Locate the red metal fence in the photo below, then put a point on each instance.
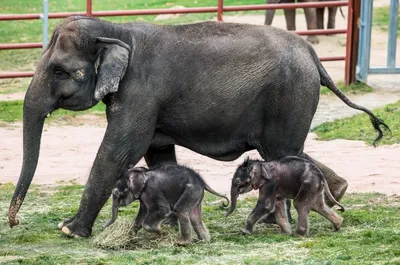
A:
(220, 9)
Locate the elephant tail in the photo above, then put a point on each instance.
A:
(327, 81)
(329, 194)
(210, 190)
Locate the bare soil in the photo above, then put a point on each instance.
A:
(67, 154)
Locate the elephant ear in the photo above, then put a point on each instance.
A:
(137, 181)
(110, 66)
(256, 174)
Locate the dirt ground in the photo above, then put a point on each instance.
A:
(67, 152)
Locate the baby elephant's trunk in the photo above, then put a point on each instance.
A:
(115, 206)
(234, 197)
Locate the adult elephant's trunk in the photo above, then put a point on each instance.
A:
(115, 206)
(234, 197)
(36, 107)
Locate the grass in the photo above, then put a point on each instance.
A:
(370, 235)
(358, 127)
(357, 88)
(11, 111)
(381, 19)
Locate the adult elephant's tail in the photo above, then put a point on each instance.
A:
(327, 81)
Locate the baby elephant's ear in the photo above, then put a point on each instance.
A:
(256, 176)
(264, 172)
(137, 181)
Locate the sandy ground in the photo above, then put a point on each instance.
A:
(67, 152)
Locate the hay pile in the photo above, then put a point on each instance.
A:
(120, 235)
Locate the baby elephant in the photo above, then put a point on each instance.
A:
(292, 178)
(166, 191)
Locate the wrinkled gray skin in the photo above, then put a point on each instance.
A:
(287, 178)
(201, 86)
(314, 17)
(165, 191)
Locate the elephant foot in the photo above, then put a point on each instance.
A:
(338, 224)
(74, 229)
(244, 231)
(299, 234)
(183, 242)
(313, 39)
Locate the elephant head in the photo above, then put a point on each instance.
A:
(83, 62)
(127, 190)
(241, 183)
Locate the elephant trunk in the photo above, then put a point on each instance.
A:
(36, 106)
(234, 197)
(115, 206)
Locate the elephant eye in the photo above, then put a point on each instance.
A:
(59, 72)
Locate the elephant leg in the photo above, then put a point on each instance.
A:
(337, 184)
(156, 156)
(198, 225)
(311, 19)
(121, 144)
(320, 18)
(290, 16)
(271, 218)
(332, 17)
(269, 16)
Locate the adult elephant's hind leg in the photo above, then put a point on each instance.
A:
(337, 184)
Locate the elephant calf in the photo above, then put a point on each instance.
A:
(169, 190)
(288, 178)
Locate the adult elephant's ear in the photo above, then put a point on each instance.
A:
(110, 66)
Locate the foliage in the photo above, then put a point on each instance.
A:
(381, 18)
(11, 111)
(358, 127)
(370, 235)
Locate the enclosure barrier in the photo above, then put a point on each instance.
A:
(219, 9)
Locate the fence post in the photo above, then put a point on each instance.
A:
(364, 49)
(89, 8)
(392, 41)
(352, 41)
(220, 10)
(45, 21)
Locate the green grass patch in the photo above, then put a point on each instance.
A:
(11, 111)
(358, 127)
(370, 235)
(381, 18)
(357, 88)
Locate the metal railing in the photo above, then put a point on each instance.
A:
(219, 9)
(365, 42)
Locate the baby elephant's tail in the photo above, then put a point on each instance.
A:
(330, 196)
(210, 190)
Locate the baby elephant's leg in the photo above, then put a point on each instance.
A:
(185, 229)
(154, 218)
(322, 208)
(140, 218)
(263, 207)
(302, 203)
(198, 225)
(281, 218)
(182, 208)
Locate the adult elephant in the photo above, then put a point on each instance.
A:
(314, 17)
(218, 89)
(290, 17)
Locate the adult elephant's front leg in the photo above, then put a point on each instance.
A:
(121, 144)
(337, 184)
